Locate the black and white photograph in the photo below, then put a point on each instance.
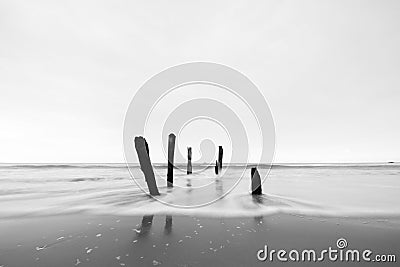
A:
(199, 133)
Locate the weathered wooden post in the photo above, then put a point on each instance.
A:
(256, 188)
(220, 154)
(171, 151)
(189, 164)
(147, 147)
(216, 167)
(142, 150)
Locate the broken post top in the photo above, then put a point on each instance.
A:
(171, 142)
(220, 156)
(140, 143)
(171, 136)
(256, 188)
(171, 146)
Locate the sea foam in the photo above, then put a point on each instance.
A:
(339, 190)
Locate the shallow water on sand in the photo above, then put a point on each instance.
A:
(93, 240)
(354, 190)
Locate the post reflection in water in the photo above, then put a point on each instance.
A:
(145, 227)
(168, 225)
(258, 219)
(189, 185)
(219, 187)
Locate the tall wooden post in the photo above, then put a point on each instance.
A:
(189, 164)
(220, 155)
(216, 167)
(256, 188)
(142, 149)
(171, 151)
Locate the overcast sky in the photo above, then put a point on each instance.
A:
(330, 71)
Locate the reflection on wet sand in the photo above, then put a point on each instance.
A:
(147, 222)
(219, 187)
(168, 225)
(258, 219)
(145, 227)
(189, 185)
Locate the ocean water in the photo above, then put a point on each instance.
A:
(348, 190)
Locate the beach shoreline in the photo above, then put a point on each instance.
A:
(80, 215)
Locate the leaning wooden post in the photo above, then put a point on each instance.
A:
(189, 164)
(147, 147)
(142, 149)
(220, 154)
(256, 188)
(171, 150)
(216, 167)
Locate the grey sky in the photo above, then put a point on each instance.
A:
(329, 70)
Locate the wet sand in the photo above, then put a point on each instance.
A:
(90, 240)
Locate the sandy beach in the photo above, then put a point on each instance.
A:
(95, 215)
(88, 240)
